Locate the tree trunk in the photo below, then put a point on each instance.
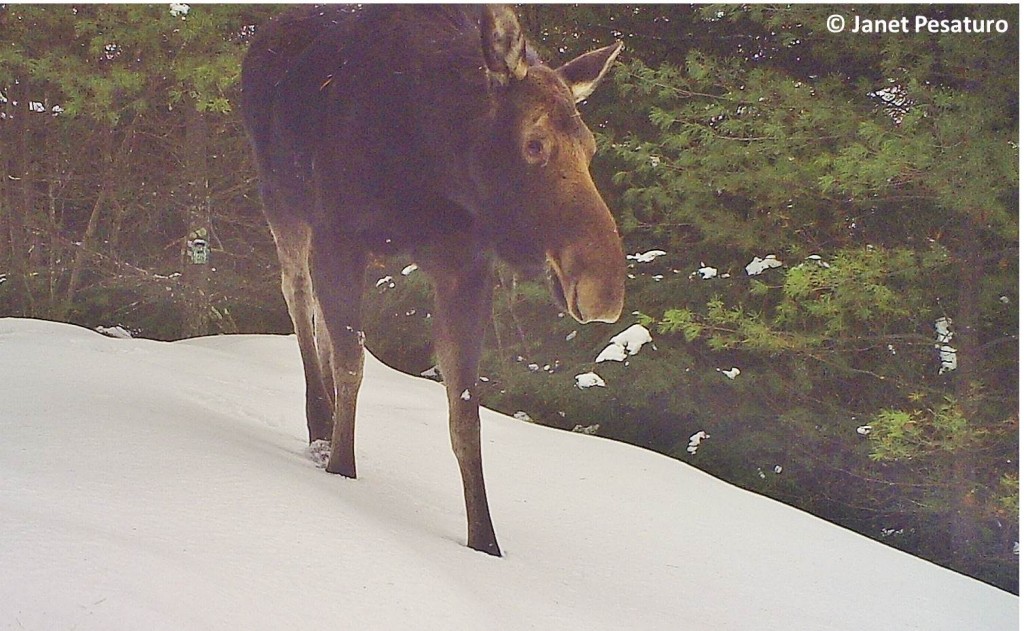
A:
(17, 207)
(112, 169)
(7, 255)
(964, 526)
(196, 303)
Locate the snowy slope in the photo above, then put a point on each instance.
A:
(148, 485)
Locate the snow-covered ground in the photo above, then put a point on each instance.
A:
(149, 485)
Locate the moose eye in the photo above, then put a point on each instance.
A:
(535, 150)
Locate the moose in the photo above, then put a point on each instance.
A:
(432, 131)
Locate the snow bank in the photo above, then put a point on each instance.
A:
(149, 485)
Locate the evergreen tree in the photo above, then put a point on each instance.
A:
(108, 107)
(887, 185)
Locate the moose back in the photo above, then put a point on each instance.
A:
(435, 131)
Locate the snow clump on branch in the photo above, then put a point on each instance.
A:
(629, 342)
(589, 380)
(943, 335)
(731, 373)
(695, 441)
(758, 265)
(646, 257)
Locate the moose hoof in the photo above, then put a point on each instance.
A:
(345, 469)
(319, 451)
(490, 547)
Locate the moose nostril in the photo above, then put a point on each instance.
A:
(557, 292)
(575, 307)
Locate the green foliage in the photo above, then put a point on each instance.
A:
(1009, 494)
(681, 321)
(906, 435)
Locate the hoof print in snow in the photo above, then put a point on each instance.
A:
(319, 451)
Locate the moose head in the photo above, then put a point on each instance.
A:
(542, 202)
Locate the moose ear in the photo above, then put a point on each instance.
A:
(504, 45)
(584, 73)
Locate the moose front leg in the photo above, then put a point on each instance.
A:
(463, 306)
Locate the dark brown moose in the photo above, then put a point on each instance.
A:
(435, 131)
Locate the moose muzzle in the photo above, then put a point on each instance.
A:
(590, 274)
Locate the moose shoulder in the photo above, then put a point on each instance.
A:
(437, 131)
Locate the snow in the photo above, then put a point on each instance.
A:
(613, 352)
(152, 485)
(943, 335)
(628, 342)
(114, 331)
(816, 259)
(731, 373)
(633, 338)
(695, 440)
(589, 380)
(759, 265)
(707, 272)
(646, 257)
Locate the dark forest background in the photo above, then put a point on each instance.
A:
(880, 170)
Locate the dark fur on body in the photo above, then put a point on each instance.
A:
(433, 130)
(408, 97)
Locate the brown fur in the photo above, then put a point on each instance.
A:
(414, 128)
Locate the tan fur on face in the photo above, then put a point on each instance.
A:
(582, 244)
